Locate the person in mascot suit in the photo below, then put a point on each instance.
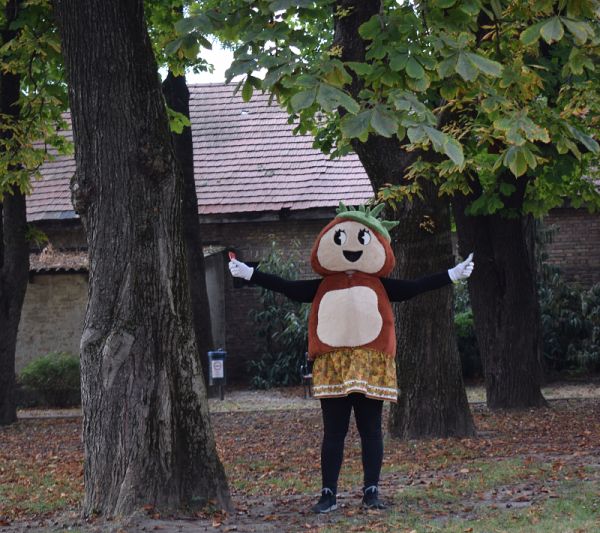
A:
(351, 335)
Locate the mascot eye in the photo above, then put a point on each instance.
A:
(339, 237)
(364, 236)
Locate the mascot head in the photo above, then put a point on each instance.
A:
(354, 241)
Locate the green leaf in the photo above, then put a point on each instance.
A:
(485, 65)
(416, 134)
(486, 204)
(243, 66)
(398, 61)
(552, 30)
(191, 46)
(465, 67)
(330, 98)
(177, 120)
(470, 7)
(370, 29)
(303, 99)
(306, 80)
(414, 68)
(401, 133)
(337, 76)
(449, 91)
(506, 189)
(453, 149)
(247, 91)
(515, 161)
(437, 138)
(383, 122)
(197, 22)
(444, 4)
(362, 69)
(356, 126)
(282, 5)
(447, 67)
(419, 85)
(496, 8)
(531, 34)
(584, 139)
(376, 51)
(172, 47)
(580, 30)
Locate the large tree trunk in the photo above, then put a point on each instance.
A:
(14, 250)
(177, 96)
(433, 401)
(147, 433)
(505, 303)
(14, 275)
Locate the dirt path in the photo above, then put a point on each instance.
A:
(281, 399)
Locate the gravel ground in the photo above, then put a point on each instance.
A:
(293, 398)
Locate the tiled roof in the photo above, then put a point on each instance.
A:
(50, 260)
(51, 196)
(246, 159)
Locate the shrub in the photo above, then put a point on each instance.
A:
(465, 333)
(589, 355)
(54, 378)
(281, 326)
(570, 324)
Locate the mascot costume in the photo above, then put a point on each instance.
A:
(351, 335)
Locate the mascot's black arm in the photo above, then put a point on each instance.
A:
(397, 290)
(300, 291)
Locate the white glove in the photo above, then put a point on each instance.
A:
(240, 270)
(462, 270)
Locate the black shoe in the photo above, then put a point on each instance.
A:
(371, 498)
(326, 503)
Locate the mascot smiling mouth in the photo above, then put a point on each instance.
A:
(352, 256)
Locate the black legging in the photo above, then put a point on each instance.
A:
(336, 419)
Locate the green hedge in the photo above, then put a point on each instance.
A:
(53, 380)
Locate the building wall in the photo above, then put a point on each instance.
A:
(52, 316)
(252, 241)
(55, 304)
(214, 271)
(575, 244)
(65, 234)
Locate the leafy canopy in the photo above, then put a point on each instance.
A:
(33, 53)
(500, 90)
(36, 134)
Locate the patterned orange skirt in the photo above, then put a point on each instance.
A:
(347, 370)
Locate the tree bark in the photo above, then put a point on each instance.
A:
(432, 401)
(14, 276)
(504, 299)
(177, 96)
(147, 433)
(14, 250)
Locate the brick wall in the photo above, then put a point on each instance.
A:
(52, 316)
(575, 244)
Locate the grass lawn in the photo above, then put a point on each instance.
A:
(528, 471)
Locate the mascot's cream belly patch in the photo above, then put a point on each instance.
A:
(349, 317)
